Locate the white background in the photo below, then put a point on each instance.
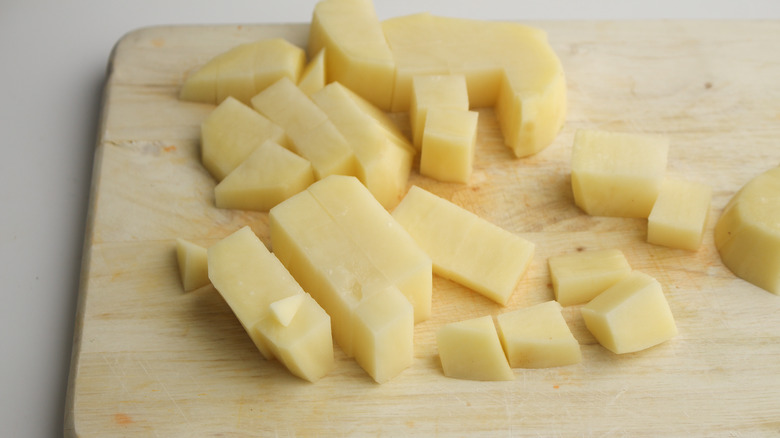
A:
(54, 56)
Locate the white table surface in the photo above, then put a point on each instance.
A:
(54, 56)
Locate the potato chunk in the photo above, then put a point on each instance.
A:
(448, 143)
(356, 52)
(361, 266)
(193, 264)
(471, 350)
(538, 337)
(464, 247)
(617, 174)
(435, 91)
(747, 234)
(268, 176)
(578, 277)
(243, 71)
(679, 215)
(630, 316)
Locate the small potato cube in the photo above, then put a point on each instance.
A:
(578, 277)
(435, 91)
(679, 214)
(193, 264)
(471, 350)
(630, 316)
(617, 174)
(538, 337)
(448, 144)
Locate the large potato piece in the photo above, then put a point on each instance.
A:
(747, 234)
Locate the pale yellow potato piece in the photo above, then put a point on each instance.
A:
(379, 237)
(304, 345)
(464, 247)
(235, 77)
(277, 58)
(448, 144)
(250, 279)
(331, 266)
(243, 71)
(284, 310)
(322, 258)
(230, 133)
(506, 65)
(617, 174)
(471, 350)
(538, 337)
(383, 163)
(193, 264)
(383, 326)
(311, 134)
(313, 77)
(268, 176)
(631, 315)
(435, 91)
(357, 54)
(679, 214)
(747, 233)
(579, 277)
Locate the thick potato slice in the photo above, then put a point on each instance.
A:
(747, 234)
(268, 176)
(464, 247)
(244, 71)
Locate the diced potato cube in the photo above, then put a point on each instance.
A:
(267, 177)
(679, 214)
(383, 325)
(578, 277)
(617, 174)
(435, 91)
(538, 337)
(193, 264)
(471, 350)
(630, 316)
(230, 133)
(747, 234)
(448, 144)
(464, 247)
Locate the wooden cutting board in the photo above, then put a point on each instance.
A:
(152, 360)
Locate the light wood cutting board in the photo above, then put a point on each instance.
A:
(152, 360)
